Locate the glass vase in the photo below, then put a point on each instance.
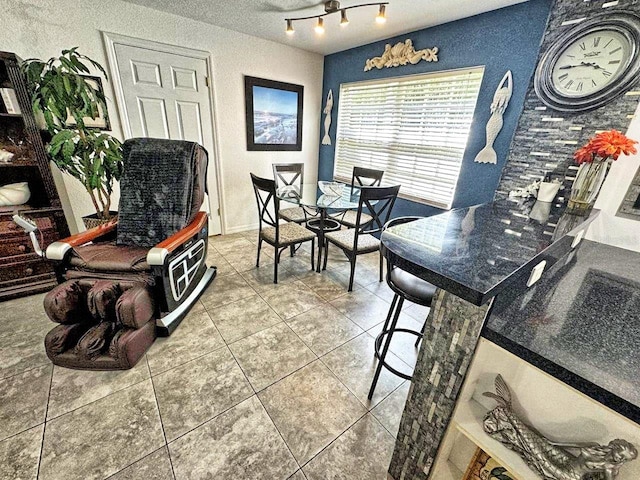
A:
(586, 186)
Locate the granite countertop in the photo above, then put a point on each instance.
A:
(473, 252)
(580, 323)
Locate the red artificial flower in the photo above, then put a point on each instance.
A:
(605, 145)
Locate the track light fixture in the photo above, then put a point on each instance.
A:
(333, 6)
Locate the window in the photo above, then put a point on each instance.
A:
(414, 128)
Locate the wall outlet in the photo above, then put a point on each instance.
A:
(536, 273)
(578, 238)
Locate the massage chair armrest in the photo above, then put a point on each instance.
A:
(158, 255)
(58, 250)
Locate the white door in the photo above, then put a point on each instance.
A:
(166, 95)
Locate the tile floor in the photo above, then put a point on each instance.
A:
(259, 381)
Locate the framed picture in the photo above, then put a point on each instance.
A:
(274, 114)
(101, 122)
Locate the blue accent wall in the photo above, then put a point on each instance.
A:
(501, 40)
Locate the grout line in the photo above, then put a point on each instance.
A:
(281, 436)
(164, 447)
(164, 434)
(25, 371)
(44, 429)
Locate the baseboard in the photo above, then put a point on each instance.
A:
(241, 228)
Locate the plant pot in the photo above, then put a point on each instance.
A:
(92, 221)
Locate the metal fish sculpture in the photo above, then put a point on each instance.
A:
(494, 125)
(553, 460)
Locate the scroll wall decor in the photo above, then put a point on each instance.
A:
(402, 53)
(494, 125)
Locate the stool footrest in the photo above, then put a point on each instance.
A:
(378, 345)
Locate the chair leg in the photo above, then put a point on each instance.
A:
(326, 254)
(385, 349)
(259, 247)
(275, 266)
(421, 333)
(381, 267)
(352, 260)
(313, 248)
(292, 250)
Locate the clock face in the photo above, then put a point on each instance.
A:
(591, 63)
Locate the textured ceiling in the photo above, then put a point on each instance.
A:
(265, 18)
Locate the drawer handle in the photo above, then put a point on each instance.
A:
(29, 271)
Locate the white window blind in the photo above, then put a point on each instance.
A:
(414, 128)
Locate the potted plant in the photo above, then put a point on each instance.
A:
(594, 159)
(62, 95)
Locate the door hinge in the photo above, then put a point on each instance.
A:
(218, 212)
(206, 81)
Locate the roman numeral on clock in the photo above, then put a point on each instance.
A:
(615, 50)
(563, 76)
(579, 87)
(569, 83)
(596, 41)
(593, 82)
(606, 73)
(583, 46)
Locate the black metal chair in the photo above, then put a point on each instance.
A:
(290, 174)
(280, 236)
(359, 240)
(360, 177)
(405, 287)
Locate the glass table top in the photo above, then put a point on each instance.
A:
(309, 195)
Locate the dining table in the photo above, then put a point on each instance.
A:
(318, 206)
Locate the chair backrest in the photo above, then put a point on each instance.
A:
(366, 177)
(265, 192)
(161, 189)
(378, 203)
(288, 174)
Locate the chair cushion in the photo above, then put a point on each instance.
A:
(344, 239)
(295, 214)
(109, 257)
(412, 285)
(289, 233)
(350, 217)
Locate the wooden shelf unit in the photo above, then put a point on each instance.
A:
(22, 272)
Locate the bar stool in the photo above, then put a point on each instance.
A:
(406, 287)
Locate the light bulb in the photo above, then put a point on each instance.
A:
(290, 29)
(344, 20)
(320, 26)
(381, 17)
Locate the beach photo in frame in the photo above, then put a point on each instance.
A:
(274, 115)
(101, 122)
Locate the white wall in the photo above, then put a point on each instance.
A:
(607, 228)
(42, 28)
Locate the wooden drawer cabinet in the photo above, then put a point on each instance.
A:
(22, 272)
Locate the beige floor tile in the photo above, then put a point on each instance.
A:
(241, 443)
(261, 279)
(292, 299)
(199, 390)
(71, 389)
(389, 411)
(329, 284)
(214, 259)
(19, 455)
(229, 243)
(355, 365)
(267, 356)
(362, 307)
(24, 326)
(195, 336)
(382, 290)
(243, 318)
(224, 290)
(104, 437)
(23, 400)
(323, 328)
(418, 312)
(311, 408)
(362, 453)
(156, 466)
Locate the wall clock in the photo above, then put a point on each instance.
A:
(591, 64)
